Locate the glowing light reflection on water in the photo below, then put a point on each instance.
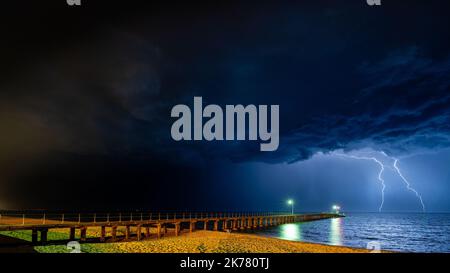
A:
(335, 235)
(291, 232)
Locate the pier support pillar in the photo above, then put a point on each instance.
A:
(83, 234)
(102, 234)
(127, 232)
(72, 234)
(216, 225)
(147, 231)
(114, 233)
(225, 225)
(158, 230)
(205, 227)
(138, 232)
(191, 226)
(44, 235)
(177, 229)
(34, 236)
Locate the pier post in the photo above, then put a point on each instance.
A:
(44, 235)
(177, 228)
(102, 234)
(158, 230)
(224, 224)
(147, 231)
(127, 232)
(72, 234)
(34, 236)
(114, 233)
(205, 227)
(83, 234)
(216, 225)
(191, 226)
(138, 232)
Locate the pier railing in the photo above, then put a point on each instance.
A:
(36, 218)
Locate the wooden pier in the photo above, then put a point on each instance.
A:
(139, 228)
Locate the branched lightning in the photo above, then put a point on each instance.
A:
(380, 173)
(408, 186)
(380, 178)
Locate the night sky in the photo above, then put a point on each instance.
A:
(86, 94)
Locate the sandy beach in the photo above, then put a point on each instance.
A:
(221, 242)
(204, 242)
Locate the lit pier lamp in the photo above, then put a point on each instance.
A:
(291, 203)
(336, 209)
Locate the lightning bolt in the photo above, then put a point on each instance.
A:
(380, 173)
(408, 185)
(380, 178)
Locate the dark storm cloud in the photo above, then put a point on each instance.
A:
(91, 98)
(404, 109)
(86, 95)
(106, 97)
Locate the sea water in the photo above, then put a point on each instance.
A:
(406, 232)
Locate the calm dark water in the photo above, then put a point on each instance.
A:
(406, 232)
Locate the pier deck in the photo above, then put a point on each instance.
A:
(40, 226)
